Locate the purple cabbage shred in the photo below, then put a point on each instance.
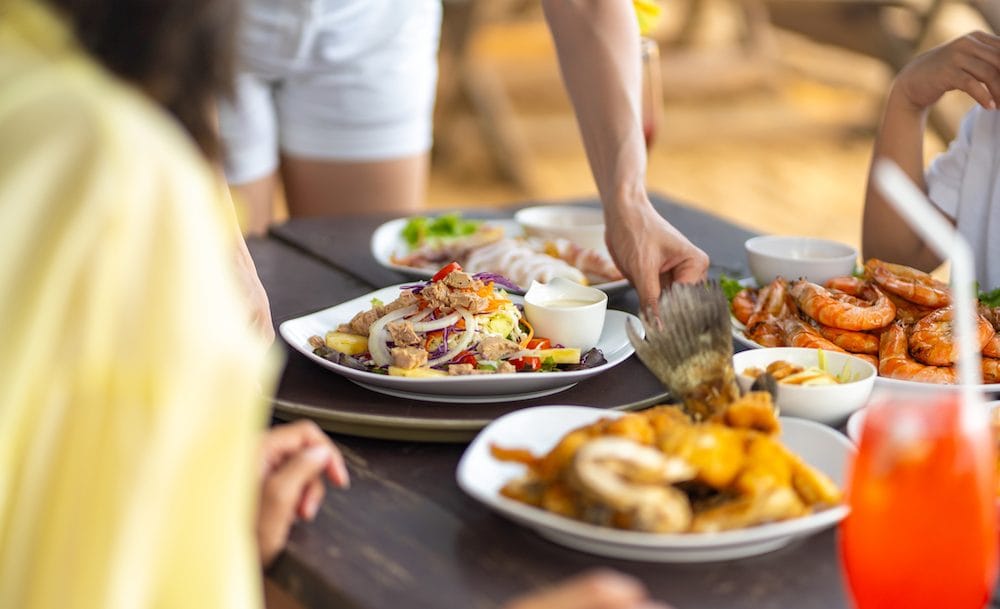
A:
(497, 279)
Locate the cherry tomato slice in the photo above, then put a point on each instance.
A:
(446, 270)
(527, 363)
(465, 357)
(539, 343)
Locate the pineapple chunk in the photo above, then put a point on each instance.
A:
(416, 373)
(562, 355)
(348, 344)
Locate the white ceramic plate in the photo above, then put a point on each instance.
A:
(478, 388)
(386, 242)
(538, 429)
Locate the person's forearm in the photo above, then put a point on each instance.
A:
(900, 138)
(598, 46)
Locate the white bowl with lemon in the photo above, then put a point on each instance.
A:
(827, 388)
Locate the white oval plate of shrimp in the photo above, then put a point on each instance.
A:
(387, 245)
(539, 429)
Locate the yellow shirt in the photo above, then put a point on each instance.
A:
(129, 408)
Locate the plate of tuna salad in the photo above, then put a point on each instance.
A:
(457, 337)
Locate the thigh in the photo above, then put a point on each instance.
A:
(317, 187)
(363, 87)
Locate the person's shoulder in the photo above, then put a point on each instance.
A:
(89, 114)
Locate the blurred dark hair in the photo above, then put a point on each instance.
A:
(180, 52)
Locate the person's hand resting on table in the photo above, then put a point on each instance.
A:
(601, 589)
(294, 460)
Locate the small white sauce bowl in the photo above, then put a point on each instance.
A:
(584, 226)
(795, 257)
(829, 404)
(566, 312)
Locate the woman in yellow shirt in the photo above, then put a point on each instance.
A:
(130, 404)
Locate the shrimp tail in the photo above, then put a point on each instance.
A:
(688, 346)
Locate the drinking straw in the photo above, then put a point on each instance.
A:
(938, 233)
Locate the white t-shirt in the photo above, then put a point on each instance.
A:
(964, 183)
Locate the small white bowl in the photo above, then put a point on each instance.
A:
(584, 226)
(829, 404)
(794, 257)
(566, 312)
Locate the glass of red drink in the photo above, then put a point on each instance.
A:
(922, 531)
(652, 90)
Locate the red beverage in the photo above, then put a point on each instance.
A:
(922, 531)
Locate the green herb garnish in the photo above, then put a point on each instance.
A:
(730, 286)
(377, 303)
(548, 364)
(991, 298)
(422, 229)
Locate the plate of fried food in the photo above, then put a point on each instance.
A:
(716, 477)
(657, 486)
(893, 316)
(419, 245)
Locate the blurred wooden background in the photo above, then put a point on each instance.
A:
(769, 106)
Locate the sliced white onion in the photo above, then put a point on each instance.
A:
(437, 324)
(463, 342)
(523, 353)
(377, 335)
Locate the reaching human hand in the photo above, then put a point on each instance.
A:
(650, 252)
(970, 63)
(601, 589)
(294, 459)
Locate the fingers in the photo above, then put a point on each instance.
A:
(283, 441)
(288, 491)
(981, 81)
(603, 589)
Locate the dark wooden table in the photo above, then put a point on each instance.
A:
(404, 535)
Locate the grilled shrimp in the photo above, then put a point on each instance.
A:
(800, 334)
(931, 340)
(895, 361)
(853, 341)
(907, 311)
(909, 283)
(848, 284)
(773, 303)
(841, 310)
(991, 370)
(743, 304)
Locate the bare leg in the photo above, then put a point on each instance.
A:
(324, 188)
(256, 199)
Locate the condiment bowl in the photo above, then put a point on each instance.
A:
(566, 312)
(796, 257)
(829, 404)
(584, 226)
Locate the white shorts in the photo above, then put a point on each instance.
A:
(346, 80)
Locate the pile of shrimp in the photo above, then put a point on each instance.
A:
(896, 317)
(659, 471)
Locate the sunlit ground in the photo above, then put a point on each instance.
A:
(779, 145)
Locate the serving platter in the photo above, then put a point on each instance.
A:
(485, 388)
(539, 429)
(387, 242)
